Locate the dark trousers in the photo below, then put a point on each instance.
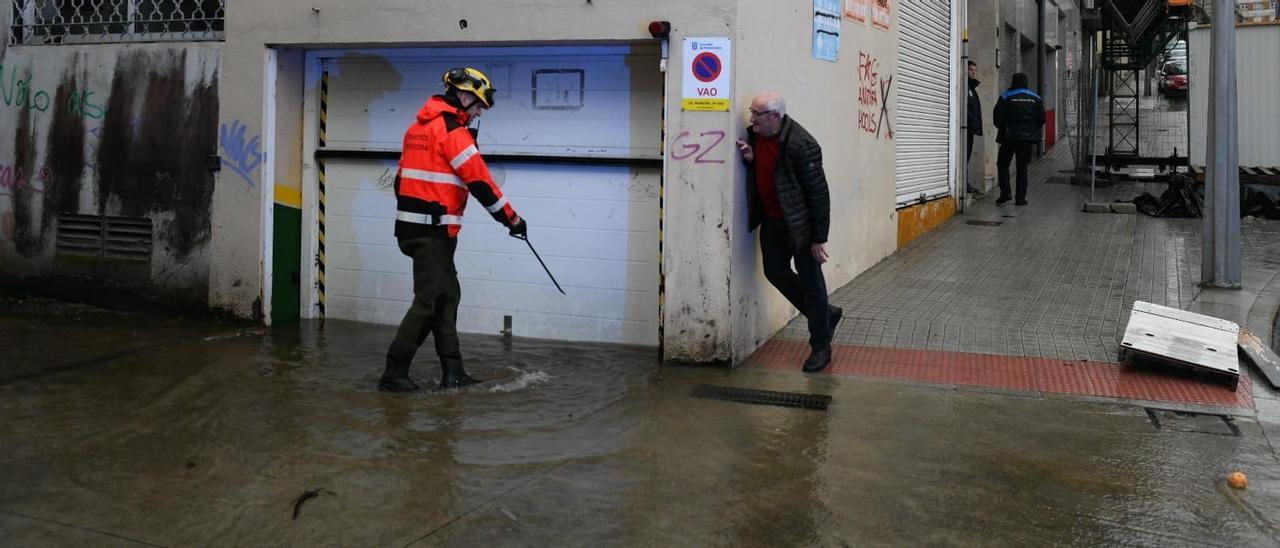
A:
(436, 295)
(1007, 152)
(805, 287)
(968, 150)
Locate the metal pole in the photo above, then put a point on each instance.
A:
(1040, 62)
(1220, 259)
(1093, 118)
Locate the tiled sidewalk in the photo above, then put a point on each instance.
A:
(1042, 375)
(1050, 281)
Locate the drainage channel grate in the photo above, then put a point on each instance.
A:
(984, 223)
(1170, 420)
(762, 397)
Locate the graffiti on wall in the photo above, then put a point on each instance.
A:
(13, 178)
(873, 97)
(16, 92)
(244, 153)
(688, 145)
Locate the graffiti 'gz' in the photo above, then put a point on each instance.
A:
(17, 93)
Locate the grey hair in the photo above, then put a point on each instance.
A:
(773, 101)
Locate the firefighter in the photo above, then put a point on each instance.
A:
(439, 167)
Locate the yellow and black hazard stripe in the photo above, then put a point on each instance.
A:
(662, 213)
(320, 163)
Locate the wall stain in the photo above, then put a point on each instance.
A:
(28, 238)
(64, 149)
(153, 160)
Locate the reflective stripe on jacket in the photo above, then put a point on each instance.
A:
(439, 166)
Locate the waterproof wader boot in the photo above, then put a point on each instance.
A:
(434, 310)
(453, 375)
(395, 378)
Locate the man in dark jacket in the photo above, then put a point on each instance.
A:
(789, 201)
(975, 116)
(1018, 117)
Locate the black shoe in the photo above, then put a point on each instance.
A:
(1001, 200)
(818, 360)
(453, 375)
(395, 378)
(834, 318)
(1020, 202)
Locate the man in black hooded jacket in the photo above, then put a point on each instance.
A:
(1018, 117)
(975, 117)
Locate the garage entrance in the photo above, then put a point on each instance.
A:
(574, 140)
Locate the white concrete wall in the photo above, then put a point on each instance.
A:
(116, 130)
(984, 25)
(773, 52)
(698, 196)
(1257, 82)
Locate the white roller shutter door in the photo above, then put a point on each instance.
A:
(924, 100)
(573, 140)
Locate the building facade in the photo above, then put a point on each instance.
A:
(255, 159)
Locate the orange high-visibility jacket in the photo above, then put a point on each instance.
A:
(439, 166)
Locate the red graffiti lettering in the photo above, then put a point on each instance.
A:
(13, 177)
(681, 150)
(873, 96)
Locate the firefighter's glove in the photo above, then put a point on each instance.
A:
(519, 229)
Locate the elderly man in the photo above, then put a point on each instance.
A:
(790, 204)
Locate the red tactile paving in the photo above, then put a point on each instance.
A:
(1110, 380)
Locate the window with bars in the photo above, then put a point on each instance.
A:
(40, 22)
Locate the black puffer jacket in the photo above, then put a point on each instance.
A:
(801, 183)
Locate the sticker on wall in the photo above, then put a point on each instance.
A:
(706, 74)
(826, 29)
(881, 14)
(857, 10)
(559, 89)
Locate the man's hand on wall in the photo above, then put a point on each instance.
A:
(745, 150)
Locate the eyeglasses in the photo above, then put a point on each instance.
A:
(758, 113)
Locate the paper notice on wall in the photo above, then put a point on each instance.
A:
(706, 74)
(881, 14)
(826, 29)
(857, 10)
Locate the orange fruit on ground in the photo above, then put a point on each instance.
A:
(1237, 480)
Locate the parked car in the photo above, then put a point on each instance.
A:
(1175, 53)
(1173, 80)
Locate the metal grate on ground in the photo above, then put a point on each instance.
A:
(1078, 378)
(762, 397)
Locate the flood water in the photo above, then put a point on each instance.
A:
(126, 429)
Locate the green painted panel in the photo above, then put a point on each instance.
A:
(286, 284)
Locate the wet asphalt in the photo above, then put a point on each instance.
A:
(125, 429)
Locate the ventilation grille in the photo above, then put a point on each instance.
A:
(105, 237)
